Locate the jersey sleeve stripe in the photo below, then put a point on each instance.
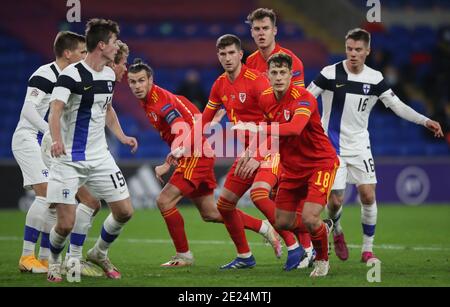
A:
(323, 82)
(380, 88)
(41, 83)
(67, 82)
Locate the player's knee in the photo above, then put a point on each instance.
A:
(283, 223)
(64, 228)
(367, 198)
(124, 216)
(311, 221)
(163, 202)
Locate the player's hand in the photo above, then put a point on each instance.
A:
(435, 127)
(130, 141)
(246, 171)
(161, 170)
(175, 155)
(242, 162)
(218, 117)
(57, 149)
(246, 127)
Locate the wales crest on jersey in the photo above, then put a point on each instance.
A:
(242, 97)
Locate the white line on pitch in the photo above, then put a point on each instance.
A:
(218, 242)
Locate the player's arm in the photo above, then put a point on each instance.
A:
(298, 76)
(294, 127)
(54, 122)
(38, 87)
(64, 87)
(320, 84)
(113, 124)
(391, 101)
(302, 114)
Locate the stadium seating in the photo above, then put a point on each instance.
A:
(175, 38)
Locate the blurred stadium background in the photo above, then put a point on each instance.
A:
(411, 46)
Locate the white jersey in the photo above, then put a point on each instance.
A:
(347, 101)
(39, 91)
(86, 94)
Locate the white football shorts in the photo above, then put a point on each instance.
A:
(102, 177)
(27, 152)
(357, 170)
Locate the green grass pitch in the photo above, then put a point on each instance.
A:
(413, 244)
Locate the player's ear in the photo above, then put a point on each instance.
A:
(275, 30)
(67, 54)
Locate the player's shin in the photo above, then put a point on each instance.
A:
(234, 225)
(319, 239)
(49, 222)
(369, 221)
(335, 215)
(34, 224)
(110, 231)
(57, 243)
(80, 229)
(260, 198)
(252, 223)
(175, 224)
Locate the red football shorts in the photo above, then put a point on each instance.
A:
(194, 177)
(269, 171)
(309, 185)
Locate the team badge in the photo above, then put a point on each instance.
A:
(366, 88)
(110, 87)
(155, 117)
(242, 97)
(65, 192)
(287, 114)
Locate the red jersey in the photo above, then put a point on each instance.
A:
(239, 98)
(164, 109)
(297, 112)
(257, 61)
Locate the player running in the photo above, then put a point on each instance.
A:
(349, 91)
(194, 176)
(308, 158)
